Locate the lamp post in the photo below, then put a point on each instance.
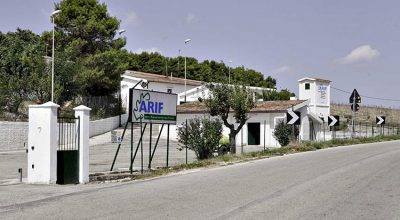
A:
(52, 56)
(179, 68)
(229, 71)
(186, 41)
(120, 32)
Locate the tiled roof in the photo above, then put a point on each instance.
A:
(162, 78)
(265, 106)
(314, 78)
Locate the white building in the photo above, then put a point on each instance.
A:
(313, 104)
(259, 128)
(202, 91)
(162, 83)
(155, 82)
(317, 91)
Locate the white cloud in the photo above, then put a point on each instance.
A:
(281, 69)
(131, 19)
(190, 18)
(360, 54)
(149, 50)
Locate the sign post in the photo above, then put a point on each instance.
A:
(354, 99)
(381, 120)
(293, 118)
(333, 121)
(149, 107)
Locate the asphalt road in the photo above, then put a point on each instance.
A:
(357, 182)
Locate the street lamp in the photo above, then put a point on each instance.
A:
(179, 66)
(121, 31)
(186, 41)
(229, 71)
(52, 56)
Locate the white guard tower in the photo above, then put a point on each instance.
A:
(318, 92)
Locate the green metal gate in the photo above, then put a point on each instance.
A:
(68, 150)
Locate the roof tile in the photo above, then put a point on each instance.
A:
(265, 106)
(162, 78)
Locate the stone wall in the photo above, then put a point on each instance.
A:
(367, 113)
(13, 135)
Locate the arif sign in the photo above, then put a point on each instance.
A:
(152, 107)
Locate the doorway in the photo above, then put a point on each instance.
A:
(253, 133)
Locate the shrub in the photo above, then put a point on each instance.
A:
(224, 141)
(283, 132)
(201, 135)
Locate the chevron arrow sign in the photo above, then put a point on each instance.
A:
(380, 120)
(333, 120)
(293, 118)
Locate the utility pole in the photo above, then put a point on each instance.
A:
(179, 57)
(166, 66)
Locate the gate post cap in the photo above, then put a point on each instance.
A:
(82, 108)
(45, 105)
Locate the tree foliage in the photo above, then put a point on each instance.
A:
(86, 26)
(101, 73)
(89, 59)
(273, 95)
(23, 71)
(223, 99)
(86, 36)
(207, 70)
(202, 135)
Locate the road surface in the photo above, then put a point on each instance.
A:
(355, 182)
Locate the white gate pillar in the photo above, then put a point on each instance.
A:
(83, 113)
(42, 143)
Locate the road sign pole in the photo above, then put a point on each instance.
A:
(294, 136)
(353, 114)
(323, 125)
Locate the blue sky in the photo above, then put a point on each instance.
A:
(353, 43)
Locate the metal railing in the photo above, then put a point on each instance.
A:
(360, 129)
(68, 133)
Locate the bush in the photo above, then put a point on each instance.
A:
(224, 141)
(283, 132)
(200, 135)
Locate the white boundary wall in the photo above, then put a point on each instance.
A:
(13, 135)
(105, 125)
(267, 121)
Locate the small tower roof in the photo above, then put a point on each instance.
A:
(314, 79)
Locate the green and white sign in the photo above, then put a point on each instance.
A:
(153, 107)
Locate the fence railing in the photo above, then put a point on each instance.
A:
(360, 129)
(102, 106)
(68, 133)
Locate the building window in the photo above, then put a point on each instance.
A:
(169, 90)
(307, 86)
